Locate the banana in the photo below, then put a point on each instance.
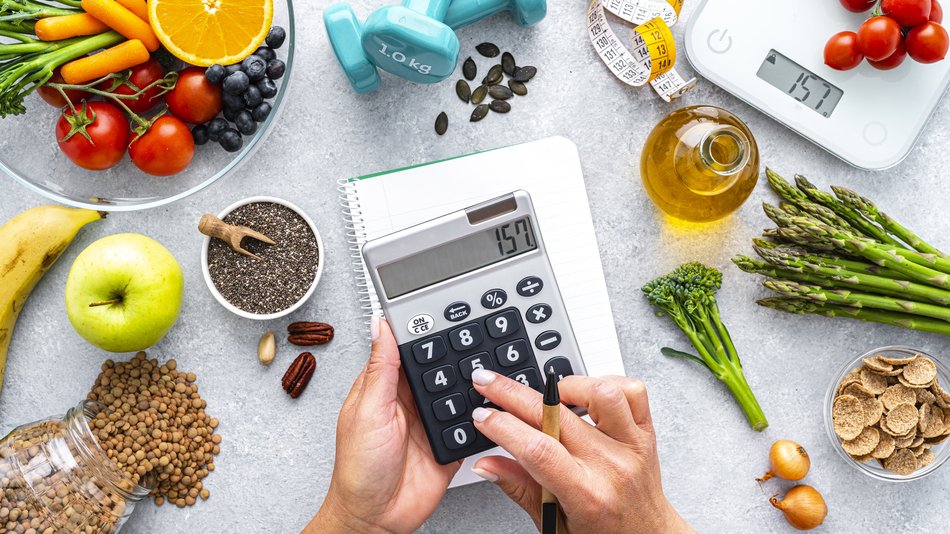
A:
(30, 244)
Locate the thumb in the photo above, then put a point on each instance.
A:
(512, 479)
(381, 376)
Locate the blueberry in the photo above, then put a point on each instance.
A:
(231, 69)
(254, 67)
(236, 83)
(275, 37)
(232, 113)
(231, 140)
(268, 88)
(215, 127)
(266, 53)
(245, 123)
(275, 69)
(200, 133)
(233, 102)
(215, 74)
(252, 97)
(261, 112)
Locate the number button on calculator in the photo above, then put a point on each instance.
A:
(530, 286)
(528, 377)
(448, 408)
(429, 350)
(494, 299)
(439, 379)
(513, 353)
(459, 436)
(482, 360)
(466, 337)
(504, 324)
(538, 313)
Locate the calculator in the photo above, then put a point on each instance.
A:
(470, 290)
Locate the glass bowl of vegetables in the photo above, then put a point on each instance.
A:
(163, 84)
(906, 413)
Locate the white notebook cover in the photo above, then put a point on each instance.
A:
(549, 169)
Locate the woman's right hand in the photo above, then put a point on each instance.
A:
(606, 476)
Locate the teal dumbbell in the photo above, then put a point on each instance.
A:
(398, 40)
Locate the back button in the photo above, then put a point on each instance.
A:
(457, 311)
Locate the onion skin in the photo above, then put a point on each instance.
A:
(803, 506)
(788, 460)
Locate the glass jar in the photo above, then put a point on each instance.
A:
(55, 478)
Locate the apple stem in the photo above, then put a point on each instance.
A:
(105, 303)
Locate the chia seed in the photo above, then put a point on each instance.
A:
(284, 272)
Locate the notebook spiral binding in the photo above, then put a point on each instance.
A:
(355, 237)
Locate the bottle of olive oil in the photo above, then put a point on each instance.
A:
(700, 163)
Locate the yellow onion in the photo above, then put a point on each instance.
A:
(803, 506)
(788, 461)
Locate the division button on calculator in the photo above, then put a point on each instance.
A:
(494, 299)
(458, 436)
(457, 311)
(528, 377)
(504, 324)
(530, 286)
(482, 360)
(560, 365)
(466, 337)
(428, 350)
(448, 408)
(538, 313)
(439, 379)
(547, 340)
(513, 353)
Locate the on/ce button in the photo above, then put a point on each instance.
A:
(420, 324)
(719, 41)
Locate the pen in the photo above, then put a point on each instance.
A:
(550, 425)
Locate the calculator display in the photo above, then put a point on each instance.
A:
(457, 258)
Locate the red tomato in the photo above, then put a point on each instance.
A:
(858, 6)
(878, 38)
(194, 99)
(108, 132)
(54, 98)
(907, 13)
(927, 43)
(140, 76)
(166, 148)
(842, 51)
(936, 12)
(893, 60)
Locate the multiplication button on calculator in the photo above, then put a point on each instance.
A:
(470, 290)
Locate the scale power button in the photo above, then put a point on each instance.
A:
(719, 41)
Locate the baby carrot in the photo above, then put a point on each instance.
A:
(123, 21)
(64, 27)
(115, 59)
(139, 7)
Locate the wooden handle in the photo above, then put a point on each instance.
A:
(212, 226)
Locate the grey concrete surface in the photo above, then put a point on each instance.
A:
(277, 454)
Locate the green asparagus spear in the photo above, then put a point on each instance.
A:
(858, 300)
(750, 265)
(863, 226)
(869, 209)
(903, 320)
(799, 199)
(784, 253)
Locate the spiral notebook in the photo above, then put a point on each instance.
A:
(550, 170)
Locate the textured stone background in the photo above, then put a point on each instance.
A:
(278, 454)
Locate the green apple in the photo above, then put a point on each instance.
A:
(124, 292)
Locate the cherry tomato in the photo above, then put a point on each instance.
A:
(842, 51)
(878, 38)
(928, 42)
(140, 76)
(893, 60)
(907, 13)
(165, 148)
(194, 99)
(858, 6)
(936, 12)
(107, 128)
(54, 98)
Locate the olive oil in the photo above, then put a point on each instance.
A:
(700, 163)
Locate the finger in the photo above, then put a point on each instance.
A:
(381, 376)
(636, 392)
(606, 403)
(512, 479)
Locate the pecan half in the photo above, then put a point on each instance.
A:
(306, 333)
(298, 375)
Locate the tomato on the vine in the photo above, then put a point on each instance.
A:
(55, 98)
(167, 147)
(141, 76)
(893, 60)
(842, 51)
(928, 42)
(907, 13)
(878, 38)
(194, 99)
(858, 6)
(95, 137)
(936, 12)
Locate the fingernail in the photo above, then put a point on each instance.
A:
(374, 328)
(483, 377)
(487, 475)
(480, 414)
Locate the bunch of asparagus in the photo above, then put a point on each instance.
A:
(840, 256)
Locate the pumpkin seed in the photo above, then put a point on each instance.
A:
(494, 76)
(523, 74)
(500, 92)
(508, 63)
(441, 123)
(469, 69)
(479, 94)
(500, 106)
(480, 111)
(463, 90)
(488, 49)
(518, 88)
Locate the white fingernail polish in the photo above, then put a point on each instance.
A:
(483, 377)
(480, 414)
(374, 328)
(487, 475)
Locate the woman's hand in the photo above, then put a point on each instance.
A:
(606, 477)
(385, 478)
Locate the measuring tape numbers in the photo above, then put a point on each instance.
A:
(654, 51)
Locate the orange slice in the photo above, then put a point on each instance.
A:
(205, 32)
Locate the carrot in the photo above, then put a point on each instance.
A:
(123, 21)
(115, 59)
(139, 7)
(64, 27)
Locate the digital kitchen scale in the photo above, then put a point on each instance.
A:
(770, 54)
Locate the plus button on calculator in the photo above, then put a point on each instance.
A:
(471, 290)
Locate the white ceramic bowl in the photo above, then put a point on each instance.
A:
(263, 316)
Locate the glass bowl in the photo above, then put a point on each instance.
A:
(872, 468)
(31, 156)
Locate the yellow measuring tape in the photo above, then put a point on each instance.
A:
(654, 50)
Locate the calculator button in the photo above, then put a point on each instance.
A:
(439, 379)
(451, 407)
(560, 365)
(466, 337)
(459, 436)
(482, 360)
(538, 313)
(429, 350)
(494, 299)
(512, 354)
(504, 324)
(420, 324)
(530, 286)
(547, 340)
(528, 377)
(457, 311)
(477, 398)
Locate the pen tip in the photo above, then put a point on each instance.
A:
(551, 394)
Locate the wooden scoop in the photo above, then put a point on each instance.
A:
(212, 226)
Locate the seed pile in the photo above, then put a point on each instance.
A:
(893, 410)
(490, 86)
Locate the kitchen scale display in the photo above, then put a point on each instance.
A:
(471, 290)
(770, 54)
